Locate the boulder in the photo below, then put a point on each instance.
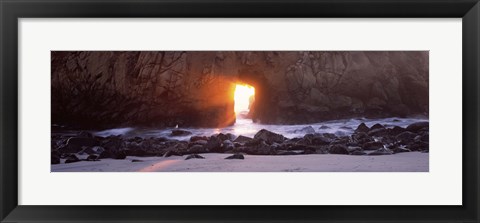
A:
(242, 139)
(362, 128)
(214, 144)
(194, 156)
(358, 153)
(378, 132)
(286, 152)
(406, 137)
(415, 127)
(196, 138)
(235, 156)
(269, 137)
(171, 153)
(70, 148)
(72, 159)
(338, 149)
(197, 149)
(377, 126)
(372, 146)
(382, 151)
(227, 145)
(92, 158)
(83, 141)
(396, 130)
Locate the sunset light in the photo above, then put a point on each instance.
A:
(243, 96)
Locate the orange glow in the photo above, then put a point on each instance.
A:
(243, 94)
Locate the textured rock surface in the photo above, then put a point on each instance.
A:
(110, 89)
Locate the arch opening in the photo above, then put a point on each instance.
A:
(244, 96)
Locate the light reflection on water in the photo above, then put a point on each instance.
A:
(247, 128)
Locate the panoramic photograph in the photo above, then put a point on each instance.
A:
(239, 111)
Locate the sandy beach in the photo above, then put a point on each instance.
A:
(215, 162)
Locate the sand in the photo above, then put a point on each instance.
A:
(214, 162)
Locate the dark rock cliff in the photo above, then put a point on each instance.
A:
(151, 88)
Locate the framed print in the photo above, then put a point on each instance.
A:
(288, 111)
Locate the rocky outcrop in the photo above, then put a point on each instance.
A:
(110, 89)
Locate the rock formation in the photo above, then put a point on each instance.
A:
(153, 88)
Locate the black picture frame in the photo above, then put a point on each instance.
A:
(11, 11)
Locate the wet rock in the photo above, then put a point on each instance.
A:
(397, 130)
(171, 153)
(362, 128)
(66, 149)
(269, 137)
(72, 159)
(222, 136)
(105, 154)
(416, 127)
(338, 149)
(319, 139)
(119, 155)
(214, 144)
(197, 138)
(227, 145)
(91, 150)
(231, 136)
(136, 161)
(378, 132)
(180, 132)
(382, 151)
(406, 137)
(372, 146)
(418, 146)
(83, 141)
(55, 158)
(242, 139)
(358, 153)
(235, 156)
(194, 156)
(308, 129)
(92, 158)
(352, 149)
(114, 144)
(400, 150)
(377, 126)
(359, 136)
(286, 152)
(324, 127)
(197, 149)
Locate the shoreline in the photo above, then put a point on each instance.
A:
(216, 162)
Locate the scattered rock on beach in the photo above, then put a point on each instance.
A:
(82, 141)
(382, 151)
(92, 158)
(415, 127)
(242, 139)
(362, 128)
(269, 137)
(338, 149)
(72, 159)
(194, 156)
(372, 146)
(236, 156)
